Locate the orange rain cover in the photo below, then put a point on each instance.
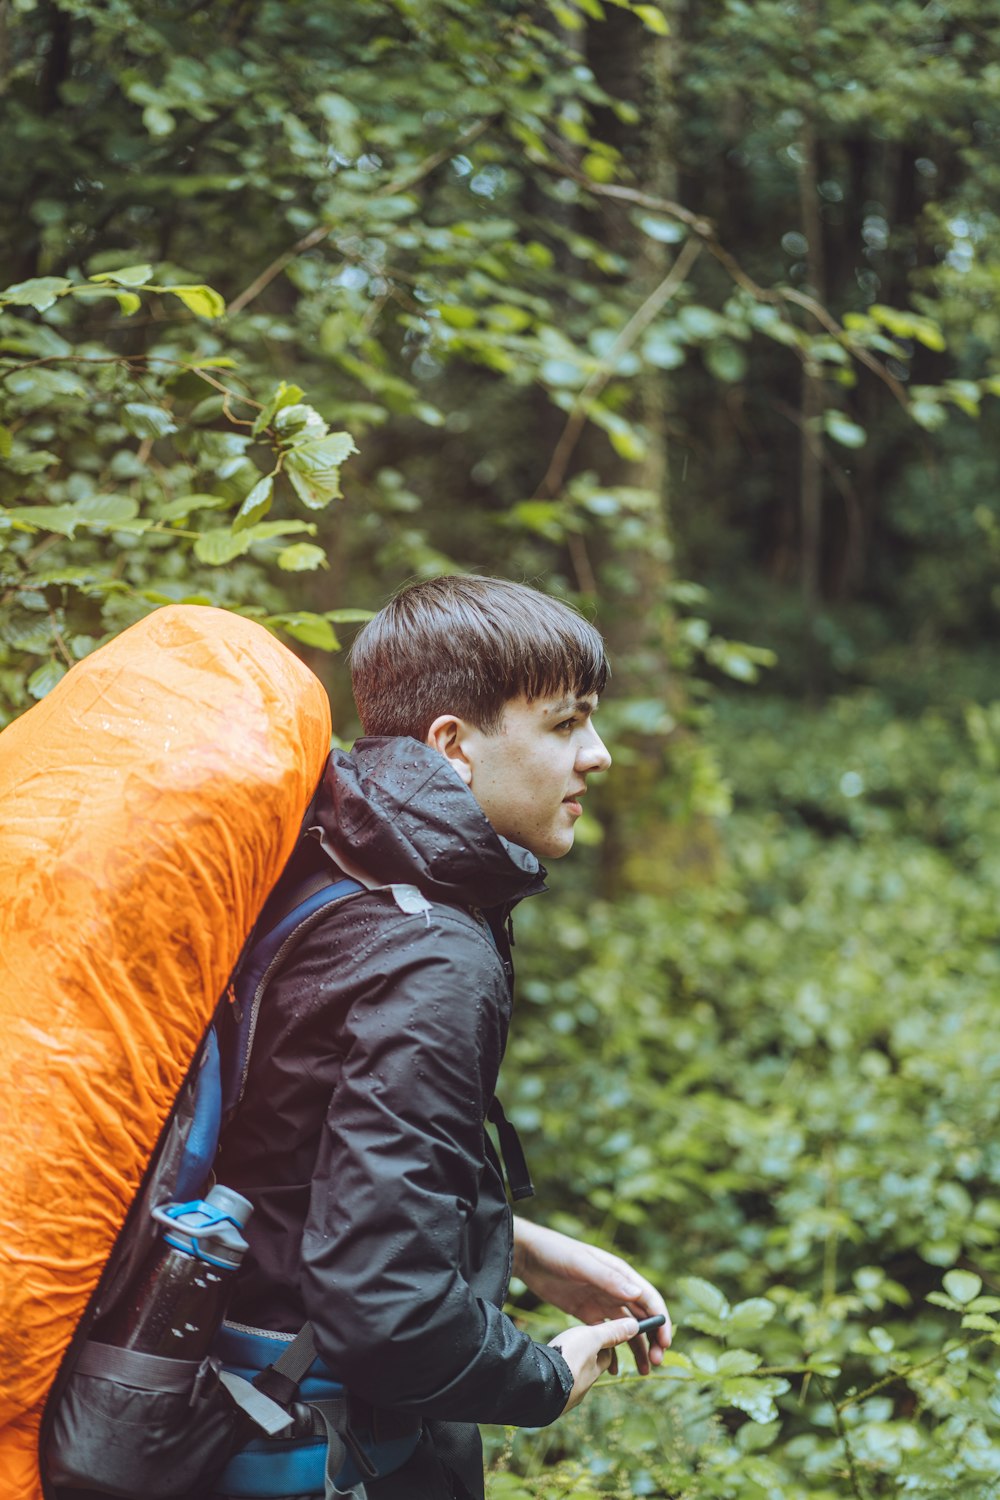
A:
(147, 806)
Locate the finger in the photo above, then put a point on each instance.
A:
(661, 1339)
(640, 1352)
(615, 1276)
(618, 1331)
(654, 1306)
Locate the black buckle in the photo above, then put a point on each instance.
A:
(353, 1444)
(206, 1379)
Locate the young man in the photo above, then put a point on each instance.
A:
(380, 1212)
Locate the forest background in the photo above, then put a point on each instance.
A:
(687, 313)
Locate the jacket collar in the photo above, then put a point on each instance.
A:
(397, 809)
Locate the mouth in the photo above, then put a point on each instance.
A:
(572, 802)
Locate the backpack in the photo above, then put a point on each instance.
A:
(147, 805)
(134, 1424)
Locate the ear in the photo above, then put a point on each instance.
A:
(449, 736)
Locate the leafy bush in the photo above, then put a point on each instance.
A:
(778, 1094)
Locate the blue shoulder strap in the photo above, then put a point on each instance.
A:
(220, 1079)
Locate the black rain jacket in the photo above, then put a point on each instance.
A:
(379, 1208)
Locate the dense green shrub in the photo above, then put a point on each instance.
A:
(778, 1093)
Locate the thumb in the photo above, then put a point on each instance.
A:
(617, 1331)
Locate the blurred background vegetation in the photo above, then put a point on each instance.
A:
(687, 313)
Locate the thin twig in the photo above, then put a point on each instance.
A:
(637, 325)
(895, 1375)
(846, 490)
(57, 637)
(705, 230)
(320, 232)
(842, 1433)
(143, 361)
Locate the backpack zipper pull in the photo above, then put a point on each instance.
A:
(233, 999)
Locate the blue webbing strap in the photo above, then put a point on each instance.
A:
(252, 969)
(335, 1459)
(203, 1137)
(218, 1086)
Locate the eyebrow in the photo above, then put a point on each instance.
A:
(572, 704)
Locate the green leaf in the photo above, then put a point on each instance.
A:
(45, 677)
(905, 324)
(562, 373)
(748, 1316)
(653, 18)
(667, 231)
(843, 430)
(203, 300)
(97, 512)
(981, 1321)
(314, 468)
(299, 424)
(661, 349)
(126, 276)
(310, 629)
(146, 421)
(928, 414)
(265, 531)
(430, 415)
(755, 1396)
(985, 1304)
(626, 439)
(221, 545)
(302, 557)
(737, 1362)
(186, 505)
(129, 303)
(349, 616)
(6, 442)
(158, 121)
(598, 168)
(40, 293)
(964, 1286)
(704, 1295)
(726, 360)
(284, 395)
(458, 317)
(256, 505)
(509, 1487)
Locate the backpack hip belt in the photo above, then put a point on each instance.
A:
(337, 1441)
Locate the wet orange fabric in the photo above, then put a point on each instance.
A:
(147, 806)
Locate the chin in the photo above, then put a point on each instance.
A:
(554, 848)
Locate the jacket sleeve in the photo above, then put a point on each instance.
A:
(397, 1179)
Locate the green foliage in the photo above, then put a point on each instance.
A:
(150, 494)
(779, 1095)
(449, 223)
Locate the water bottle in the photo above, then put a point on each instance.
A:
(178, 1302)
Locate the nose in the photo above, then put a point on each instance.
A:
(593, 753)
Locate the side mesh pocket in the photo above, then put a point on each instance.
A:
(135, 1424)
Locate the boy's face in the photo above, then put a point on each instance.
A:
(529, 776)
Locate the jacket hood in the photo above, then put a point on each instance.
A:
(396, 808)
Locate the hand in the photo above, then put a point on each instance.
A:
(589, 1351)
(589, 1284)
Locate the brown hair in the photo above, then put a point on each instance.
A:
(467, 645)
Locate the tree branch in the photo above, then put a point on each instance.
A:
(128, 360)
(706, 232)
(636, 325)
(320, 232)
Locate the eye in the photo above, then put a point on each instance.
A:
(567, 724)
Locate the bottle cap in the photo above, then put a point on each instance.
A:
(231, 1203)
(208, 1228)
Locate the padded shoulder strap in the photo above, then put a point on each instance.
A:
(255, 970)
